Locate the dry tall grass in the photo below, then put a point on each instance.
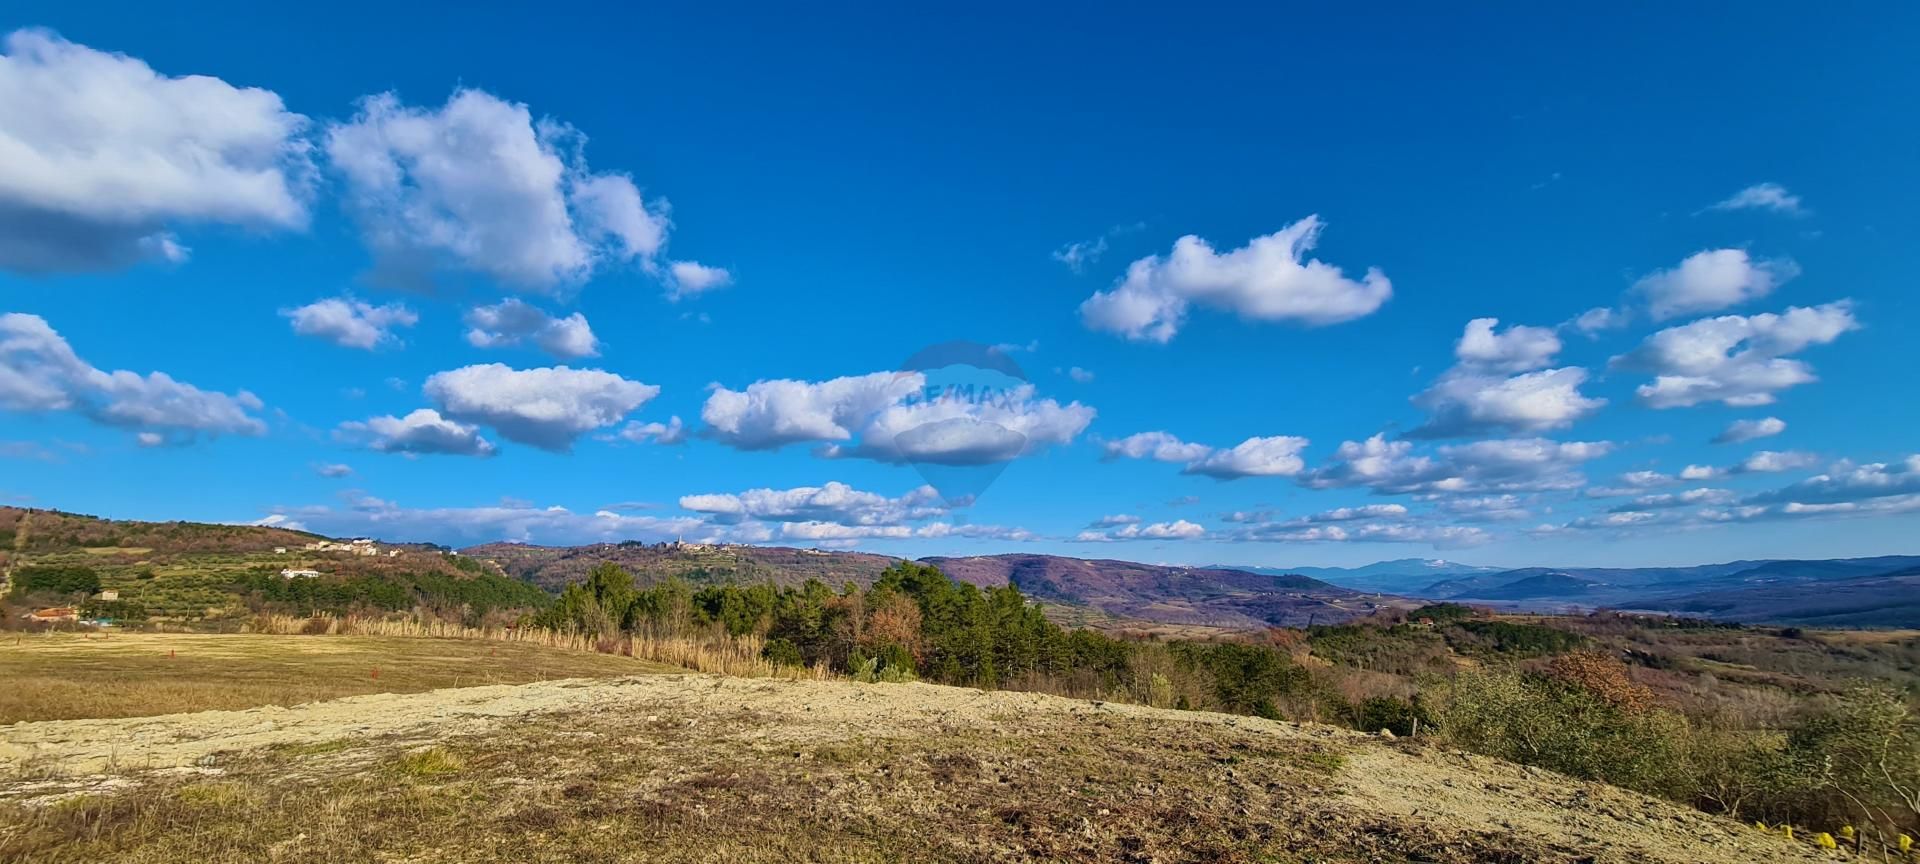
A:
(716, 652)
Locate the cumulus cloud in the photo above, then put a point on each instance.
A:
(1481, 393)
(691, 278)
(1518, 348)
(513, 322)
(421, 432)
(1738, 360)
(772, 414)
(1849, 483)
(1272, 456)
(882, 416)
(1710, 281)
(1269, 279)
(351, 323)
(1494, 465)
(102, 158)
(1464, 403)
(835, 503)
(478, 186)
(333, 471)
(1079, 375)
(1776, 461)
(40, 372)
(365, 516)
(547, 408)
(1763, 196)
(1115, 520)
(1179, 529)
(1747, 430)
(668, 433)
(1372, 523)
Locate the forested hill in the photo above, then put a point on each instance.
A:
(1202, 596)
(554, 567)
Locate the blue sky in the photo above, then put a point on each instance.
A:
(1682, 220)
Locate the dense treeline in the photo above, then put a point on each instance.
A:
(468, 596)
(61, 580)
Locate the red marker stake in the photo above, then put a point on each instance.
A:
(376, 673)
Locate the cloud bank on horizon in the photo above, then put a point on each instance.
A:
(410, 317)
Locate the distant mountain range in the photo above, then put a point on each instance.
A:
(1880, 592)
(1399, 576)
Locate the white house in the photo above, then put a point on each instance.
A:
(291, 573)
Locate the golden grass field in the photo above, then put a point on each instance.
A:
(706, 769)
(67, 676)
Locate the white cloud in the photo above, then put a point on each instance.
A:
(1666, 500)
(1115, 520)
(1710, 281)
(691, 278)
(882, 417)
(39, 372)
(333, 470)
(547, 407)
(1700, 472)
(772, 414)
(1849, 483)
(1763, 196)
(1079, 375)
(423, 431)
(1364, 511)
(835, 503)
(1082, 253)
(351, 323)
(1599, 318)
(1776, 461)
(1179, 529)
(513, 321)
(1476, 396)
(1273, 456)
(1738, 360)
(668, 433)
(101, 157)
(1265, 280)
(1487, 508)
(1079, 254)
(1518, 348)
(1465, 403)
(1439, 536)
(477, 185)
(1495, 465)
(366, 516)
(1747, 430)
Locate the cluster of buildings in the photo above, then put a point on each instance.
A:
(360, 546)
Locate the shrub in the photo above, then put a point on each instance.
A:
(1535, 720)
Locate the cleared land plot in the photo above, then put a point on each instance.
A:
(691, 768)
(69, 676)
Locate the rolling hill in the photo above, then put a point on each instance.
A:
(1848, 592)
(1202, 596)
(553, 567)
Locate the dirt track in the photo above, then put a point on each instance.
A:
(1376, 782)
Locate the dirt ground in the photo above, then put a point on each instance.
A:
(700, 768)
(70, 676)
